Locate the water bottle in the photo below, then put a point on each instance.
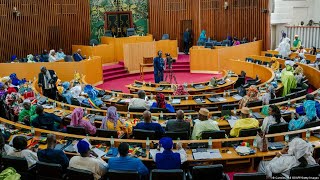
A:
(85, 111)
(112, 142)
(228, 93)
(161, 115)
(289, 102)
(178, 142)
(255, 143)
(143, 83)
(151, 96)
(170, 98)
(149, 83)
(210, 143)
(307, 135)
(286, 138)
(32, 131)
(192, 83)
(235, 111)
(250, 113)
(54, 105)
(147, 144)
(224, 93)
(190, 117)
(87, 137)
(128, 114)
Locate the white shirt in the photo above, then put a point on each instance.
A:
(268, 121)
(95, 165)
(52, 58)
(139, 103)
(29, 155)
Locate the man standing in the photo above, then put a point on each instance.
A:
(47, 81)
(158, 64)
(186, 41)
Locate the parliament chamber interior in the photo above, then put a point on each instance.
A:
(159, 89)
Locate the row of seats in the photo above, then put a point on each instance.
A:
(50, 171)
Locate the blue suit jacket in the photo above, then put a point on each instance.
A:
(168, 160)
(158, 65)
(77, 57)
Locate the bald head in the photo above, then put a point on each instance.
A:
(180, 114)
(141, 94)
(51, 141)
(147, 116)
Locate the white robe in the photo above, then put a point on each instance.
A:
(284, 48)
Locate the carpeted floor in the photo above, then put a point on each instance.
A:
(119, 84)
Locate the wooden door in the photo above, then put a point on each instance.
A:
(184, 24)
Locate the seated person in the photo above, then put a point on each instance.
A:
(139, 102)
(244, 123)
(19, 149)
(252, 95)
(298, 73)
(287, 78)
(66, 94)
(166, 158)
(236, 42)
(113, 122)
(149, 125)
(28, 114)
(298, 153)
(126, 163)
(77, 56)
(15, 81)
(317, 62)
(180, 90)
(52, 155)
(93, 99)
(60, 54)
(301, 50)
(178, 125)
(302, 58)
(3, 91)
(274, 64)
(203, 124)
(87, 162)
(52, 56)
(161, 103)
(46, 120)
(77, 121)
(274, 117)
(202, 38)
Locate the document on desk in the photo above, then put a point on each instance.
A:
(232, 122)
(221, 99)
(237, 97)
(176, 101)
(98, 152)
(210, 154)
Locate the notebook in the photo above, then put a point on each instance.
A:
(200, 86)
(257, 115)
(159, 88)
(209, 154)
(275, 145)
(213, 99)
(237, 97)
(176, 101)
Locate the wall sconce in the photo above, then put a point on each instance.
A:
(15, 12)
(226, 5)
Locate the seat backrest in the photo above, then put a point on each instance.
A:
(147, 60)
(213, 108)
(290, 96)
(308, 171)
(48, 170)
(165, 37)
(115, 175)
(268, 55)
(230, 106)
(254, 103)
(278, 56)
(249, 176)
(312, 124)
(77, 174)
(225, 112)
(248, 132)
(106, 133)
(249, 59)
(143, 134)
(159, 174)
(213, 134)
(278, 128)
(18, 163)
(158, 110)
(240, 81)
(212, 172)
(175, 135)
(276, 100)
(130, 32)
(137, 109)
(76, 130)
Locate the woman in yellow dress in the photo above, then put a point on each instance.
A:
(274, 64)
(113, 122)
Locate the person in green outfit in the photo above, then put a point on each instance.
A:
(287, 78)
(296, 43)
(28, 113)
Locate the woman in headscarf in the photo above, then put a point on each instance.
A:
(252, 95)
(273, 118)
(313, 51)
(37, 58)
(274, 64)
(296, 43)
(113, 122)
(76, 91)
(161, 103)
(77, 121)
(66, 94)
(93, 99)
(15, 80)
(52, 55)
(284, 48)
(287, 78)
(298, 73)
(298, 153)
(202, 38)
(236, 42)
(30, 58)
(13, 100)
(180, 90)
(14, 59)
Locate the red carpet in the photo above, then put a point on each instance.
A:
(119, 84)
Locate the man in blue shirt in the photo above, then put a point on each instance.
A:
(158, 65)
(167, 159)
(77, 56)
(126, 163)
(52, 155)
(149, 125)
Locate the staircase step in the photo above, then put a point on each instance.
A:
(114, 72)
(117, 66)
(117, 76)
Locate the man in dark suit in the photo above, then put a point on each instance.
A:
(77, 56)
(186, 41)
(178, 125)
(158, 64)
(47, 81)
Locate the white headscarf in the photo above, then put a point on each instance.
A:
(289, 62)
(30, 58)
(5, 79)
(76, 91)
(300, 148)
(52, 58)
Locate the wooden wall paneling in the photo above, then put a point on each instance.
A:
(243, 18)
(42, 24)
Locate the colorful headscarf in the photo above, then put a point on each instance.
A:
(166, 143)
(5, 79)
(180, 90)
(13, 58)
(252, 92)
(30, 58)
(161, 100)
(298, 70)
(310, 108)
(296, 41)
(83, 146)
(66, 86)
(76, 116)
(112, 116)
(93, 94)
(15, 80)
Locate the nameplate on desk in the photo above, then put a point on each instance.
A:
(176, 101)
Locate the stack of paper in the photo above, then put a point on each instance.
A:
(98, 152)
(237, 97)
(243, 150)
(232, 123)
(210, 154)
(221, 99)
(176, 101)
